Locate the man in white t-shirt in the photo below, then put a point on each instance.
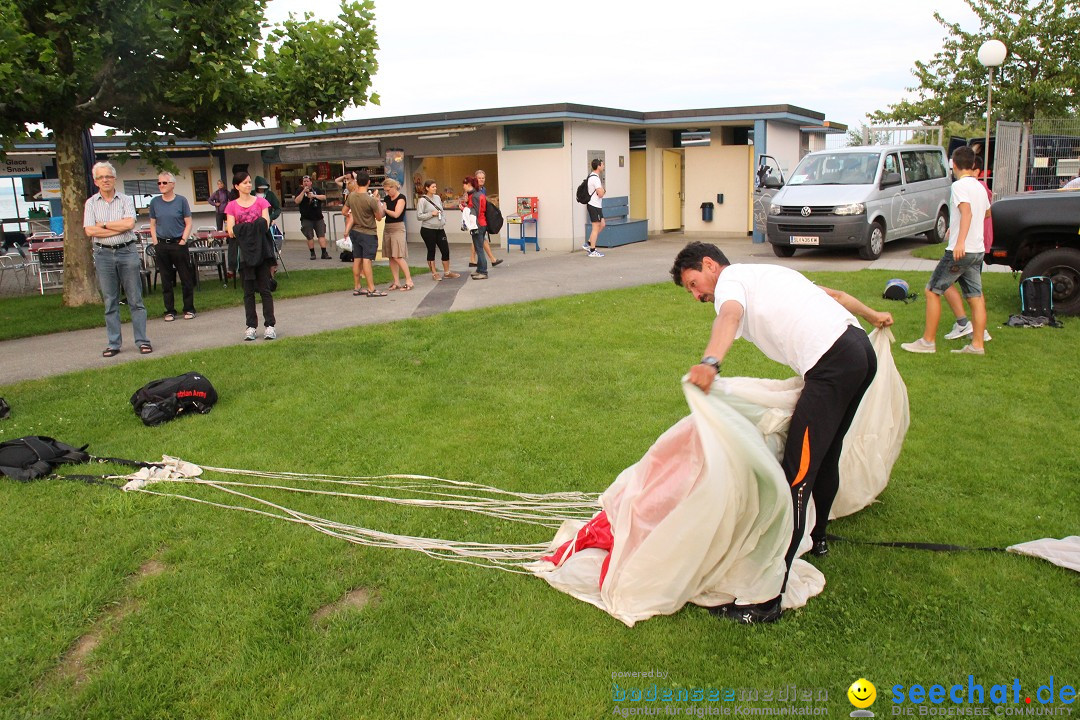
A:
(810, 329)
(963, 258)
(595, 207)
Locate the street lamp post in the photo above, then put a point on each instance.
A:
(991, 55)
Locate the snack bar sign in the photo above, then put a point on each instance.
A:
(20, 167)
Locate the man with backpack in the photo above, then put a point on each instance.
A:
(595, 206)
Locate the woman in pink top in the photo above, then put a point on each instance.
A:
(241, 215)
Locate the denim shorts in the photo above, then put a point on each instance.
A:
(967, 271)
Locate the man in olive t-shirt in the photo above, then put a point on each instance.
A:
(364, 211)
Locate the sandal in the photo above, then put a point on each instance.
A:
(406, 288)
(357, 293)
(451, 275)
(169, 317)
(145, 349)
(497, 263)
(377, 293)
(190, 315)
(436, 277)
(395, 286)
(110, 352)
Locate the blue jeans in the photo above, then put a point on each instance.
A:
(115, 269)
(967, 271)
(478, 236)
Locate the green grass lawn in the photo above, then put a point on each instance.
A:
(553, 395)
(29, 315)
(930, 252)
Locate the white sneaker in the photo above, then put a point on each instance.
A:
(986, 336)
(249, 334)
(585, 246)
(970, 350)
(919, 346)
(595, 253)
(959, 331)
(270, 333)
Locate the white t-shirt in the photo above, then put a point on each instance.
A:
(971, 191)
(594, 185)
(786, 316)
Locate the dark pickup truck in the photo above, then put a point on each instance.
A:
(1038, 233)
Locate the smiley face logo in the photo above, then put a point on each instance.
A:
(862, 693)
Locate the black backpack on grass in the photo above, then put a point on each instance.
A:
(35, 456)
(162, 400)
(1037, 297)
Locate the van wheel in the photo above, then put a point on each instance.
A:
(782, 250)
(941, 227)
(1062, 266)
(875, 241)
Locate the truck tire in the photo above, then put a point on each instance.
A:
(1062, 266)
(875, 241)
(940, 231)
(782, 251)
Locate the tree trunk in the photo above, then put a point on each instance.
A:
(80, 280)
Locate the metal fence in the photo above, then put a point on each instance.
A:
(1039, 154)
(886, 135)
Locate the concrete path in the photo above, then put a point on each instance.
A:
(520, 278)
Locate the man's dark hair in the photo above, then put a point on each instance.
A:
(595, 163)
(362, 178)
(690, 257)
(963, 158)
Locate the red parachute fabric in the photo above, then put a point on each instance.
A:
(595, 534)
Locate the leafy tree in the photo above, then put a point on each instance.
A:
(155, 69)
(1039, 77)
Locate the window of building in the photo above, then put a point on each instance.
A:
(448, 172)
(518, 137)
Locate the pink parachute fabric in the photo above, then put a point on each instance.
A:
(705, 515)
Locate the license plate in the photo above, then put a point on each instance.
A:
(804, 239)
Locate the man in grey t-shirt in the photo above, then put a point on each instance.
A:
(170, 228)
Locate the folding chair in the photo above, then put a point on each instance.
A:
(50, 269)
(279, 241)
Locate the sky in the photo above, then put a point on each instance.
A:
(845, 58)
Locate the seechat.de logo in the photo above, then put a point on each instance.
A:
(862, 695)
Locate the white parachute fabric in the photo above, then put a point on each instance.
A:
(1064, 552)
(705, 516)
(877, 434)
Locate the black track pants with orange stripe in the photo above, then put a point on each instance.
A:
(831, 395)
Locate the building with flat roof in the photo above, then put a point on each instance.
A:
(666, 163)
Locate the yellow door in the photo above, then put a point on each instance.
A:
(673, 190)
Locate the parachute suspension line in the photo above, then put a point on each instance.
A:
(546, 510)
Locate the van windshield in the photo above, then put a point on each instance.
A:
(836, 169)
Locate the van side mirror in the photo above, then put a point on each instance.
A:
(773, 183)
(889, 179)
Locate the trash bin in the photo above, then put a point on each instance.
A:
(706, 211)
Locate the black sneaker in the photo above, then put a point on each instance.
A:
(820, 548)
(312, 254)
(325, 255)
(766, 612)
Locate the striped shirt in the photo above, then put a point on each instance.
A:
(98, 211)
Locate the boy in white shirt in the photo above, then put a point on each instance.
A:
(962, 261)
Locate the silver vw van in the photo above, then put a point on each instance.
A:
(860, 197)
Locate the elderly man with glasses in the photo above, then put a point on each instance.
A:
(109, 221)
(170, 227)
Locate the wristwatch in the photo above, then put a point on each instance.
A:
(711, 362)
